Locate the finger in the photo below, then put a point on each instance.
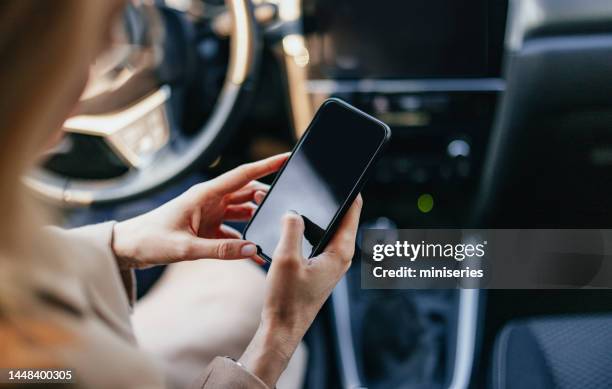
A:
(258, 260)
(226, 231)
(343, 241)
(242, 175)
(247, 193)
(259, 196)
(239, 213)
(289, 248)
(221, 249)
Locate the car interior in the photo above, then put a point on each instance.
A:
(501, 113)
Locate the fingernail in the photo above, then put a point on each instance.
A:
(258, 260)
(248, 250)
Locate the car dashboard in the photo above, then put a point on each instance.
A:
(432, 76)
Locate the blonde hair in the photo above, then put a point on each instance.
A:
(46, 48)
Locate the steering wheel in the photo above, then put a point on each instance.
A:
(129, 135)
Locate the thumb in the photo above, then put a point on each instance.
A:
(223, 249)
(290, 244)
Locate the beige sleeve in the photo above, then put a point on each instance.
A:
(101, 235)
(224, 373)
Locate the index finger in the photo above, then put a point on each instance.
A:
(242, 175)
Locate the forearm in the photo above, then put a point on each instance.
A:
(270, 350)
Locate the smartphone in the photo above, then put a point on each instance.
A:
(321, 178)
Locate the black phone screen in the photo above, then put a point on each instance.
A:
(319, 178)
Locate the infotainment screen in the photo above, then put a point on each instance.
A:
(406, 38)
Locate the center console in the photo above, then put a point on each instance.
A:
(432, 71)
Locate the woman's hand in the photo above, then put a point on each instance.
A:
(191, 227)
(296, 290)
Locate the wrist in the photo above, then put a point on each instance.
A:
(120, 245)
(269, 352)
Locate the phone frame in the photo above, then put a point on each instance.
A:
(329, 231)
